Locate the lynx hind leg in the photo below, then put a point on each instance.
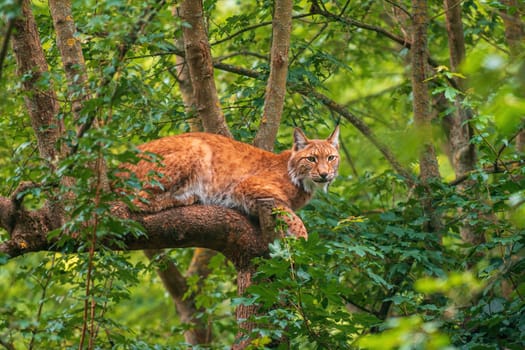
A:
(294, 224)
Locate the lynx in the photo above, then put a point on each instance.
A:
(216, 170)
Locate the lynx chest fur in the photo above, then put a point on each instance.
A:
(212, 169)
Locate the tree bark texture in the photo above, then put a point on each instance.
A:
(199, 60)
(71, 53)
(276, 85)
(428, 164)
(460, 132)
(244, 312)
(218, 228)
(514, 25)
(186, 91)
(463, 152)
(41, 103)
(514, 35)
(421, 100)
(184, 80)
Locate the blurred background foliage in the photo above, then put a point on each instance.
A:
(369, 276)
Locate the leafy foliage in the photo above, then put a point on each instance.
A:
(371, 275)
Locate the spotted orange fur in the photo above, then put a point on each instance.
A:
(212, 169)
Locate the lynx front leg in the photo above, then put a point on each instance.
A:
(250, 191)
(294, 224)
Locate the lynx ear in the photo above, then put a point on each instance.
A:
(299, 140)
(334, 137)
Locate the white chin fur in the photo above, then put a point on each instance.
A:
(308, 185)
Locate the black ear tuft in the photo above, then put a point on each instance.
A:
(334, 137)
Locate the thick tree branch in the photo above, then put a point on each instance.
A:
(175, 283)
(199, 60)
(221, 229)
(421, 101)
(428, 164)
(276, 84)
(41, 104)
(71, 53)
(460, 130)
(7, 211)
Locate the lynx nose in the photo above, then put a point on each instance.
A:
(323, 175)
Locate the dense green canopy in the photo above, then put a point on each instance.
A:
(419, 243)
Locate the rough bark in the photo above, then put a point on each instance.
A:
(276, 84)
(462, 151)
(244, 313)
(212, 227)
(185, 87)
(186, 90)
(199, 60)
(513, 24)
(428, 164)
(515, 35)
(41, 103)
(7, 211)
(40, 100)
(421, 101)
(460, 132)
(71, 53)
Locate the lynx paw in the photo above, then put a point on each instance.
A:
(294, 224)
(297, 229)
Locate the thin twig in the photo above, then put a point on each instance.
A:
(7, 36)
(128, 42)
(252, 27)
(42, 299)
(493, 169)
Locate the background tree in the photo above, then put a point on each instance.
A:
(419, 242)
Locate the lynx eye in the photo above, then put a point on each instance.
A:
(330, 158)
(310, 159)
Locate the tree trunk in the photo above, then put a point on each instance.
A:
(463, 152)
(198, 332)
(221, 229)
(428, 164)
(460, 132)
(71, 54)
(514, 35)
(513, 24)
(244, 312)
(41, 103)
(199, 60)
(276, 85)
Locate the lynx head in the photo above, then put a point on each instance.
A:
(314, 163)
